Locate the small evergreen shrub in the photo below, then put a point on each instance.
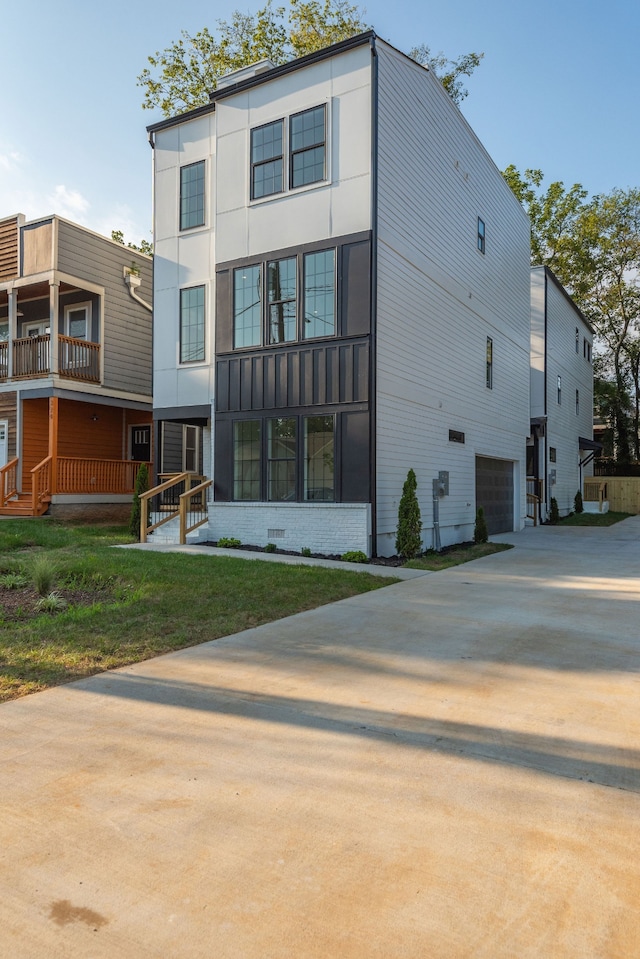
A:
(229, 542)
(554, 515)
(480, 531)
(305, 551)
(408, 540)
(270, 548)
(141, 486)
(578, 505)
(355, 556)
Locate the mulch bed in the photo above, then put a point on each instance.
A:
(19, 605)
(377, 561)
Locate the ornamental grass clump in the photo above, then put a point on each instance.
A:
(43, 574)
(408, 539)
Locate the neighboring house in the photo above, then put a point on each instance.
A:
(560, 448)
(341, 293)
(75, 369)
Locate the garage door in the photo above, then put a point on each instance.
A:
(494, 492)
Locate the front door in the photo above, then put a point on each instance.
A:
(141, 443)
(4, 441)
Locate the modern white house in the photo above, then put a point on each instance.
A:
(341, 293)
(560, 448)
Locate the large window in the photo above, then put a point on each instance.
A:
(267, 160)
(319, 294)
(192, 324)
(307, 144)
(284, 459)
(247, 307)
(246, 460)
(281, 297)
(192, 195)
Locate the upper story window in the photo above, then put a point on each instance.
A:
(267, 159)
(247, 307)
(319, 294)
(577, 340)
(559, 389)
(586, 348)
(481, 235)
(281, 299)
(489, 363)
(577, 402)
(307, 144)
(192, 324)
(192, 195)
(76, 320)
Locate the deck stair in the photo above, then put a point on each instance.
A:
(21, 505)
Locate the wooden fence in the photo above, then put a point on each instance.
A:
(623, 493)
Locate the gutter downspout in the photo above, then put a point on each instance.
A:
(373, 360)
(133, 282)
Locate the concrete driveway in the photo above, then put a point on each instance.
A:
(448, 767)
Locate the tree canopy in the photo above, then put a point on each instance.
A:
(182, 76)
(143, 247)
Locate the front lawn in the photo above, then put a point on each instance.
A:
(593, 519)
(454, 555)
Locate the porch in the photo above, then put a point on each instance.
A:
(32, 356)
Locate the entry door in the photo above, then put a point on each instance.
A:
(4, 441)
(141, 443)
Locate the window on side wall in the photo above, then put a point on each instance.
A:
(192, 195)
(559, 389)
(489, 363)
(192, 324)
(319, 294)
(267, 160)
(247, 306)
(307, 144)
(577, 340)
(577, 402)
(481, 235)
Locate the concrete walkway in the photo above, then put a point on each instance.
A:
(448, 768)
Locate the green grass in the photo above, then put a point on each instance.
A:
(456, 555)
(147, 603)
(593, 519)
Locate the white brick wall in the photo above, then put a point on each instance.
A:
(322, 527)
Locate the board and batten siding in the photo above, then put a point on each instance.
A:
(439, 298)
(126, 325)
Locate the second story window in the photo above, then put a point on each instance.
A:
(247, 307)
(577, 340)
(76, 321)
(307, 144)
(319, 294)
(281, 297)
(559, 389)
(489, 363)
(577, 402)
(481, 235)
(192, 324)
(192, 195)
(267, 160)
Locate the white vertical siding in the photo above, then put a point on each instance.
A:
(439, 298)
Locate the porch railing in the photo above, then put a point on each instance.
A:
(78, 475)
(77, 359)
(163, 503)
(534, 499)
(32, 356)
(8, 481)
(41, 486)
(595, 491)
(4, 360)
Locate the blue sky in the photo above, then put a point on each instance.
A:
(558, 89)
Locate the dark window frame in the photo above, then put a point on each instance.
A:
(559, 390)
(197, 359)
(185, 197)
(482, 234)
(307, 148)
(489, 379)
(256, 165)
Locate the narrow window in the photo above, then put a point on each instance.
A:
(577, 402)
(552, 454)
(190, 448)
(267, 160)
(318, 458)
(307, 144)
(577, 340)
(192, 324)
(319, 294)
(489, 363)
(559, 389)
(481, 235)
(247, 300)
(192, 195)
(281, 297)
(246, 460)
(281, 460)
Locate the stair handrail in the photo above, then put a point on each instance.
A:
(185, 500)
(144, 498)
(41, 485)
(8, 480)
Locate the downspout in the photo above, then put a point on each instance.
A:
(133, 281)
(374, 299)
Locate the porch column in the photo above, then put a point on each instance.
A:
(13, 329)
(53, 441)
(54, 296)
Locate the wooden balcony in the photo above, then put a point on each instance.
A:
(77, 359)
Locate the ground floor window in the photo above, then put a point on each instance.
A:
(284, 459)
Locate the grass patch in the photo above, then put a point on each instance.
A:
(137, 604)
(594, 519)
(455, 555)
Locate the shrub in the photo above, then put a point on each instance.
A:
(142, 485)
(408, 541)
(270, 548)
(229, 542)
(355, 556)
(481, 531)
(554, 515)
(577, 503)
(305, 551)
(43, 574)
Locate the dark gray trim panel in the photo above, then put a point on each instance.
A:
(77, 397)
(184, 414)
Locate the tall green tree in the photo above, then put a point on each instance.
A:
(183, 75)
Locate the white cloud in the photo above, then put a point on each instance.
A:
(69, 203)
(10, 161)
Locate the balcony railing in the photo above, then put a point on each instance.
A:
(75, 475)
(77, 359)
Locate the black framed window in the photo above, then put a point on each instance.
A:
(559, 389)
(577, 340)
(307, 143)
(319, 294)
(281, 300)
(192, 324)
(577, 402)
(319, 458)
(489, 363)
(552, 454)
(246, 459)
(481, 235)
(192, 195)
(267, 159)
(247, 306)
(281, 459)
